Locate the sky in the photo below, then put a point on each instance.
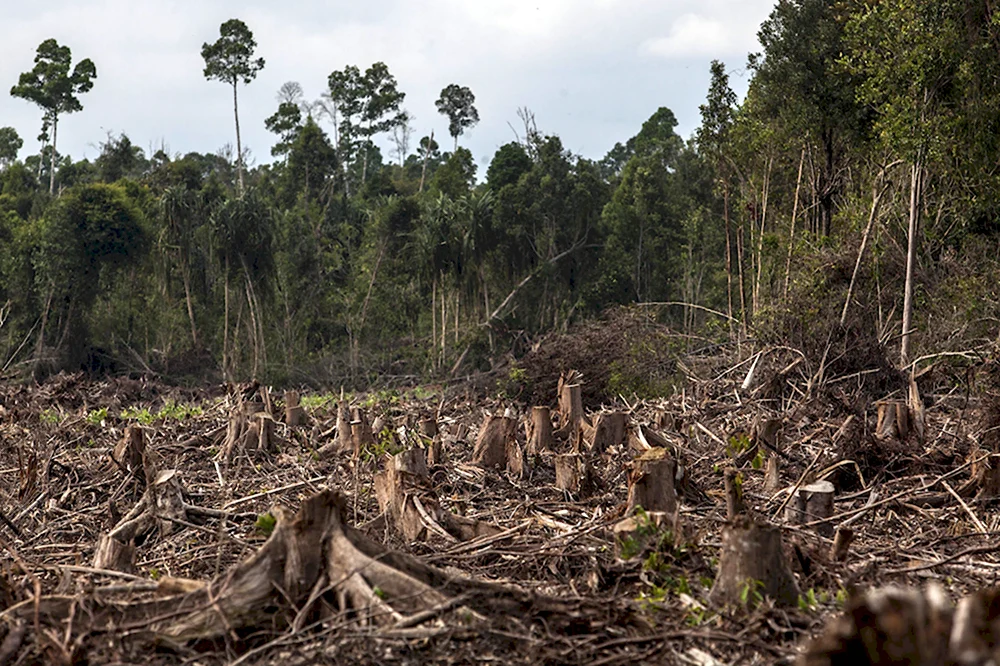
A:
(591, 71)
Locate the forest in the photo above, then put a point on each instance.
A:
(867, 136)
(698, 401)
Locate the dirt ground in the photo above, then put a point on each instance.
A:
(546, 581)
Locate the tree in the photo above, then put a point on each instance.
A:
(230, 60)
(10, 143)
(458, 103)
(52, 86)
(286, 123)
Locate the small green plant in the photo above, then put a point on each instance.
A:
(51, 416)
(841, 597)
(808, 601)
(177, 411)
(751, 592)
(758, 460)
(265, 524)
(738, 444)
(97, 416)
(154, 573)
(319, 401)
(142, 415)
(378, 592)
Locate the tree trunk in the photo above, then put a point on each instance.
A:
(795, 213)
(423, 169)
(186, 277)
(811, 503)
(495, 438)
(911, 260)
(572, 473)
(295, 413)
(729, 255)
(52, 156)
(239, 145)
(608, 431)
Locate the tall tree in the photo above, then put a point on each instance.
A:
(52, 86)
(230, 60)
(458, 103)
(10, 143)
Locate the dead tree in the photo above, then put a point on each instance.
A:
(539, 431)
(651, 482)
(752, 565)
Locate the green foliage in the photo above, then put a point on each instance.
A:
(458, 104)
(265, 524)
(230, 58)
(51, 416)
(97, 416)
(751, 593)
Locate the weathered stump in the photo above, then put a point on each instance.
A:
(841, 544)
(733, 486)
(608, 431)
(295, 413)
(572, 472)
(492, 443)
(811, 503)
(362, 436)
(128, 452)
(651, 482)
(751, 566)
(571, 414)
(893, 419)
(772, 476)
(539, 431)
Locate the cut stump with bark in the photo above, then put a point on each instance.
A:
(752, 565)
(812, 503)
(295, 413)
(893, 419)
(651, 482)
(128, 452)
(539, 431)
(571, 414)
(608, 431)
(362, 436)
(572, 473)
(492, 444)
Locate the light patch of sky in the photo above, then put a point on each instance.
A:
(591, 70)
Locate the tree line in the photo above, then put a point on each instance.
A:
(867, 141)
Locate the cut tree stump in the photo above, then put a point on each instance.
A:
(492, 443)
(899, 626)
(772, 477)
(893, 419)
(608, 431)
(651, 482)
(250, 432)
(405, 494)
(733, 486)
(295, 413)
(128, 452)
(572, 472)
(539, 431)
(571, 414)
(314, 566)
(811, 503)
(841, 544)
(362, 436)
(752, 565)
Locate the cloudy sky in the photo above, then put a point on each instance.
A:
(591, 70)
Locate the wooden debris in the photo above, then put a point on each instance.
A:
(841, 544)
(752, 565)
(735, 505)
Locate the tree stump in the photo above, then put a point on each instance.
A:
(772, 477)
(128, 452)
(733, 485)
(572, 472)
(295, 413)
(841, 544)
(539, 431)
(428, 428)
(811, 503)
(984, 473)
(345, 436)
(405, 495)
(362, 436)
(651, 482)
(571, 414)
(492, 443)
(893, 419)
(751, 566)
(608, 431)
(892, 626)
(114, 555)
(250, 431)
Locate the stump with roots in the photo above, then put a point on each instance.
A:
(406, 496)
(651, 482)
(250, 431)
(313, 567)
(752, 565)
(162, 507)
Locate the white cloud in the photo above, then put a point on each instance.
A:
(691, 35)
